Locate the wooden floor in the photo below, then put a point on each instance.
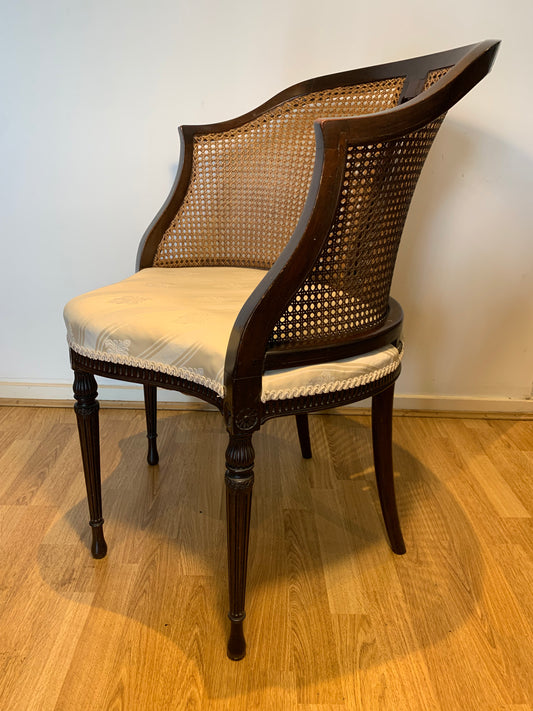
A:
(335, 620)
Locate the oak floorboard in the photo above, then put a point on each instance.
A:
(335, 619)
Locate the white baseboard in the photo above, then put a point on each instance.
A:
(61, 393)
(457, 403)
(107, 390)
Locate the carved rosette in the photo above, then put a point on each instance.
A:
(247, 419)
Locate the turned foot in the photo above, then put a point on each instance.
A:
(99, 546)
(236, 642)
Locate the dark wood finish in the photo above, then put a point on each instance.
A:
(372, 339)
(250, 350)
(150, 406)
(86, 408)
(382, 446)
(325, 401)
(266, 411)
(239, 483)
(132, 374)
(302, 424)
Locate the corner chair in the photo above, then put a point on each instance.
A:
(262, 286)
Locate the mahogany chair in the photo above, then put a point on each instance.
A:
(263, 283)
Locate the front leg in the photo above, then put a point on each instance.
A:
(86, 408)
(239, 483)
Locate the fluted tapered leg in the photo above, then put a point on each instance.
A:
(302, 423)
(382, 445)
(239, 483)
(86, 408)
(150, 408)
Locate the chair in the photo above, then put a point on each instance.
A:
(262, 285)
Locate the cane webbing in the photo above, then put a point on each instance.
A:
(249, 184)
(347, 290)
(434, 76)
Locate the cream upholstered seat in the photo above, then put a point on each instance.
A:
(263, 284)
(178, 321)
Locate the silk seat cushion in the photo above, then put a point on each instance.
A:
(178, 321)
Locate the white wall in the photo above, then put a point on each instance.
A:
(92, 91)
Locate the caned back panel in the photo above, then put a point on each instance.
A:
(248, 188)
(249, 184)
(347, 290)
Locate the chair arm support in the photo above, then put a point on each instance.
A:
(248, 339)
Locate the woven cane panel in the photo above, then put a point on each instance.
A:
(249, 185)
(347, 291)
(434, 76)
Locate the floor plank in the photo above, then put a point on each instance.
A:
(335, 620)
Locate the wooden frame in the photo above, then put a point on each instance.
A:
(249, 353)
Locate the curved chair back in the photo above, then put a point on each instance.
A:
(341, 191)
(243, 183)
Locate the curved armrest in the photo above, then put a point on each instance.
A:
(248, 355)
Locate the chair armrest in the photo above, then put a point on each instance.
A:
(248, 340)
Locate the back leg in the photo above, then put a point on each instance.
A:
(150, 408)
(302, 423)
(382, 446)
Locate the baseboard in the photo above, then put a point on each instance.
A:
(108, 390)
(128, 395)
(456, 403)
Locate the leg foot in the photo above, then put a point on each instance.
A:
(236, 642)
(382, 446)
(99, 546)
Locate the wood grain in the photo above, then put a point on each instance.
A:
(335, 620)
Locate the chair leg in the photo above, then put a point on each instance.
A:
(150, 408)
(302, 423)
(382, 446)
(239, 482)
(86, 408)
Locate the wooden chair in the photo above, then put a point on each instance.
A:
(263, 283)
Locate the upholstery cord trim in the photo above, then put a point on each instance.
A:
(196, 377)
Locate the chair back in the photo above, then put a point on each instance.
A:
(363, 137)
(249, 183)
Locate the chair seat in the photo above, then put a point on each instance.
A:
(178, 321)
